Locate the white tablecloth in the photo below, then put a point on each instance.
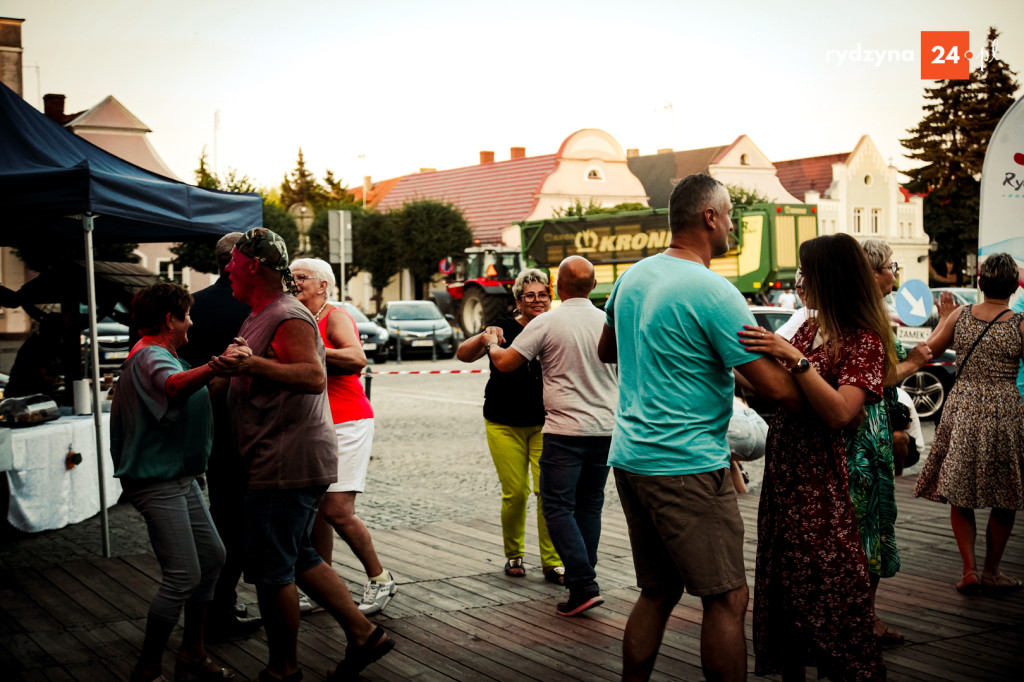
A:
(44, 494)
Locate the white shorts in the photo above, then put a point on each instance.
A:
(355, 442)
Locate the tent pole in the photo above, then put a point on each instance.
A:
(97, 411)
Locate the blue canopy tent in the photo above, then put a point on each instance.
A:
(55, 185)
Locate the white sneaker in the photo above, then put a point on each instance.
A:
(306, 604)
(377, 595)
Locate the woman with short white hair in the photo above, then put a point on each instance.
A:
(353, 423)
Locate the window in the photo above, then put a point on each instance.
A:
(858, 220)
(165, 268)
(876, 220)
(594, 174)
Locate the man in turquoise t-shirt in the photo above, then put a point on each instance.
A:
(672, 325)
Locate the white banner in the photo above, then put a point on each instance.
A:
(1002, 190)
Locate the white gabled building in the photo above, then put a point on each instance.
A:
(860, 194)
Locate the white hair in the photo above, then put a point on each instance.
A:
(320, 269)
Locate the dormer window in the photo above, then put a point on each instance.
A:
(595, 174)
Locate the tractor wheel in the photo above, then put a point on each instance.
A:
(479, 309)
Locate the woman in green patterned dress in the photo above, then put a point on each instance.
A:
(869, 455)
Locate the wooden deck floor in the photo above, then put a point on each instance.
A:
(457, 616)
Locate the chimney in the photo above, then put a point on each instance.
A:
(517, 152)
(486, 157)
(632, 153)
(666, 150)
(53, 107)
(428, 170)
(367, 184)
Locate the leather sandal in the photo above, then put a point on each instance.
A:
(204, 671)
(555, 575)
(358, 657)
(970, 584)
(1000, 583)
(514, 568)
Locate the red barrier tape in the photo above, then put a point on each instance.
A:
(431, 371)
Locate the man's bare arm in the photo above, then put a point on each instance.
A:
(607, 347)
(295, 365)
(505, 359)
(770, 380)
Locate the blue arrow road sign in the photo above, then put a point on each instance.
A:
(914, 302)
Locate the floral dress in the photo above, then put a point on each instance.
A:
(872, 483)
(977, 456)
(811, 603)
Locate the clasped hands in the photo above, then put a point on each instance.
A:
(234, 360)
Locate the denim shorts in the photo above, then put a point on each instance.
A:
(278, 526)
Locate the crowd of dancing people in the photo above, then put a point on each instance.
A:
(263, 394)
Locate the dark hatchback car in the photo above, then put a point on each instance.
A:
(373, 337)
(419, 326)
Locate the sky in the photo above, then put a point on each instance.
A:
(386, 88)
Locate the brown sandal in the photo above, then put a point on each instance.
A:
(1000, 583)
(970, 584)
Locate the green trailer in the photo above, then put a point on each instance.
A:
(764, 254)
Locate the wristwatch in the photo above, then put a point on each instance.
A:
(801, 366)
(487, 348)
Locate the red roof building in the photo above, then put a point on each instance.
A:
(590, 166)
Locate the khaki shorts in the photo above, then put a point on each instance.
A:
(684, 530)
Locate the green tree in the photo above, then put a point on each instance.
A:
(431, 230)
(200, 254)
(578, 209)
(950, 142)
(741, 196)
(303, 187)
(377, 248)
(275, 218)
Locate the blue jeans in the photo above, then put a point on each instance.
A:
(184, 539)
(573, 473)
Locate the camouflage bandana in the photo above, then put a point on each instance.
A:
(269, 249)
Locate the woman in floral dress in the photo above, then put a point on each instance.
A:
(977, 456)
(811, 601)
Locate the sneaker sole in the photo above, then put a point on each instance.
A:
(369, 611)
(589, 604)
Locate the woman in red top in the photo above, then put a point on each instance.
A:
(353, 422)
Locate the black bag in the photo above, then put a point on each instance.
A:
(899, 417)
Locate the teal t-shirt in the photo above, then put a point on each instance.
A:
(152, 437)
(676, 327)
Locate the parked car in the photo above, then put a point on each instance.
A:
(771, 318)
(114, 344)
(419, 326)
(929, 387)
(373, 337)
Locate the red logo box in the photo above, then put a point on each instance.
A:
(945, 55)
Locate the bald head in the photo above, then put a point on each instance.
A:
(575, 278)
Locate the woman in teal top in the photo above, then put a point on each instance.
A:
(161, 429)
(870, 458)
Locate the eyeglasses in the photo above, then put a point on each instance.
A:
(301, 278)
(893, 267)
(538, 296)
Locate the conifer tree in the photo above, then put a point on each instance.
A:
(951, 140)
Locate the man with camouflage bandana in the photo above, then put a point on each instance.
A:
(282, 424)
